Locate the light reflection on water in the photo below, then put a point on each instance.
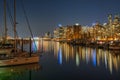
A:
(60, 61)
(99, 63)
(60, 56)
(96, 57)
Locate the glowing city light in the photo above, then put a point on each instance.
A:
(77, 24)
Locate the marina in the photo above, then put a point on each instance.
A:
(56, 57)
(59, 40)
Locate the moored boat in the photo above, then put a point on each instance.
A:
(114, 46)
(19, 60)
(10, 54)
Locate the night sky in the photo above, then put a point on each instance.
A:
(46, 15)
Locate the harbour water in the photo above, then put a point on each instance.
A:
(61, 61)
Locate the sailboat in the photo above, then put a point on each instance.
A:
(10, 55)
(6, 48)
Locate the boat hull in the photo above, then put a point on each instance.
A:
(114, 48)
(19, 61)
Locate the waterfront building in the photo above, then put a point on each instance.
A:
(69, 32)
(102, 32)
(59, 33)
(76, 32)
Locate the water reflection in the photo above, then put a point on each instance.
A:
(22, 72)
(77, 59)
(35, 46)
(95, 57)
(60, 55)
(91, 56)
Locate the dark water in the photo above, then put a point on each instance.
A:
(60, 61)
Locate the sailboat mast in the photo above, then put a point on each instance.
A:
(5, 22)
(15, 36)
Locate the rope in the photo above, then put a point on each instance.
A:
(29, 27)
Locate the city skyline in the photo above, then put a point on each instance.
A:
(45, 16)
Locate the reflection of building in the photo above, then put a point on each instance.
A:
(60, 55)
(96, 57)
